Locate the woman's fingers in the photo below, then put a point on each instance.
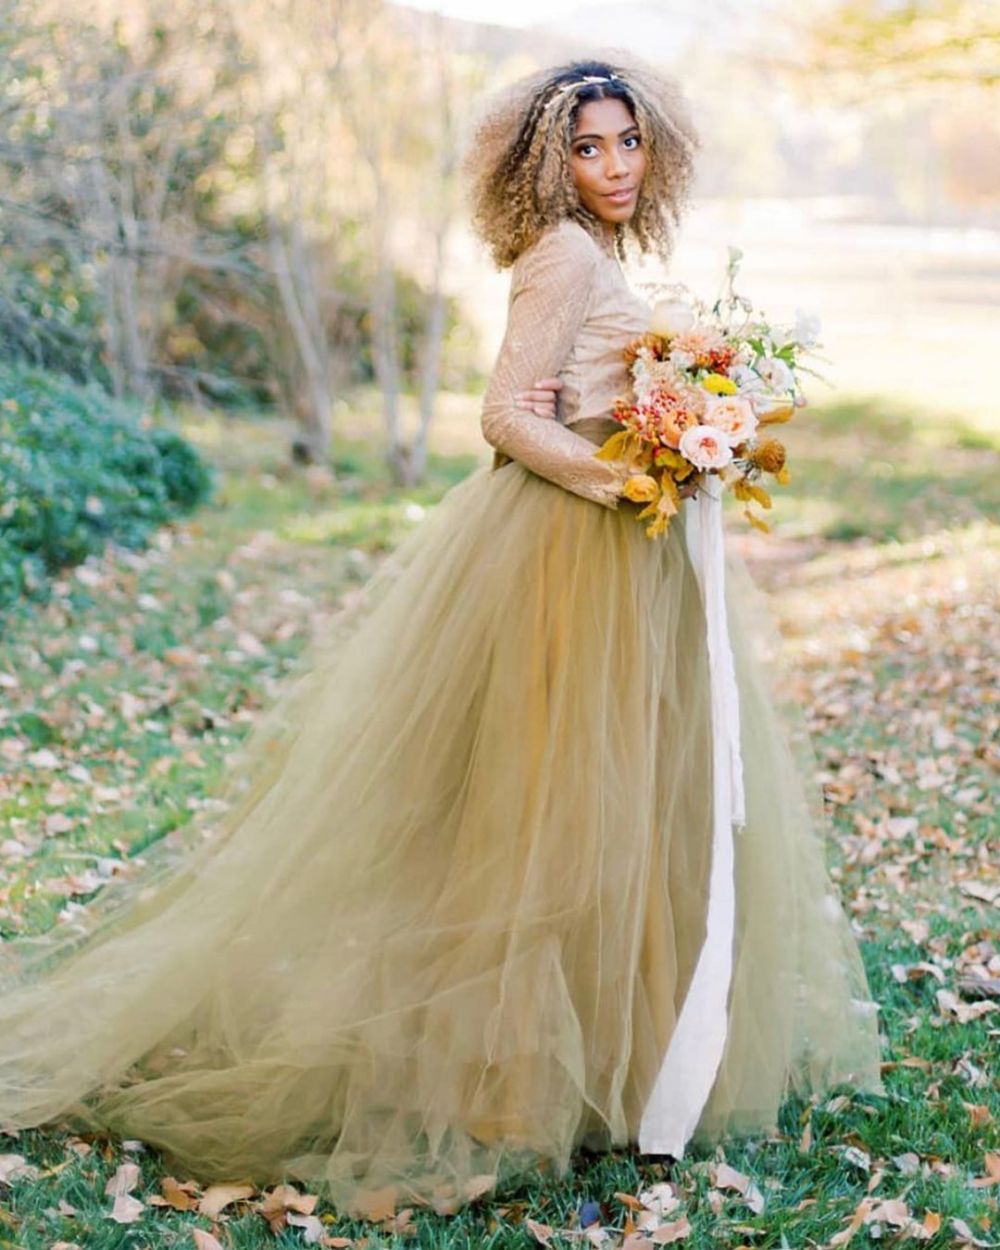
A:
(541, 398)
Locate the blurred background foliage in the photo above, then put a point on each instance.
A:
(253, 209)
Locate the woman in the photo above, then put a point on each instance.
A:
(451, 924)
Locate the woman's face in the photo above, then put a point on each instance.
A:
(607, 160)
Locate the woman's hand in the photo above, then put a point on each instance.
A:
(541, 399)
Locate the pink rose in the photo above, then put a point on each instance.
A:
(706, 447)
(733, 416)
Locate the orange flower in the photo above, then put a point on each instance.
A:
(655, 343)
(673, 423)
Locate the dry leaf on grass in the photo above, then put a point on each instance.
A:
(893, 1212)
(173, 1193)
(124, 1180)
(968, 1237)
(313, 1230)
(951, 1005)
(542, 1233)
(991, 1162)
(666, 1234)
(725, 1177)
(126, 1210)
(280, 1200)
(216, 1198)
(13, 1167)
(375, 1204)
(476, 1186)
(205, 1241)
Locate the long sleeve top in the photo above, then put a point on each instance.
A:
(570, 314)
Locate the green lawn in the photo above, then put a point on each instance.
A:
(123, 695)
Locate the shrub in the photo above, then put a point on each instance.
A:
(79, 470)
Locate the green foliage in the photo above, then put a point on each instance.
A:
(78, 470)
(50, 310)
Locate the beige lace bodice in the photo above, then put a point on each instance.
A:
(570, 314)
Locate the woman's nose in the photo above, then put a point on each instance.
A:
(615, 165)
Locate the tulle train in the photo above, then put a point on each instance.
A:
(448, 921)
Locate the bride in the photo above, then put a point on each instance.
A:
(475, 900)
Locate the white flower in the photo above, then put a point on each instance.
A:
(747, 379)
(776, 374)
(681, 359)
(807, 327)
(706, 447)
(805, 331)
(671, 316)
(733, 416)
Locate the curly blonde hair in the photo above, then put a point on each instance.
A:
(518, 156)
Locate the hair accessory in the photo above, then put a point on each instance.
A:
(579, 82)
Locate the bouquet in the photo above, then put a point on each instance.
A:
(708, 385)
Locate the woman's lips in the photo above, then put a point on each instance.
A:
(622, 196)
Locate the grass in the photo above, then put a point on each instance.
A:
(125, 693)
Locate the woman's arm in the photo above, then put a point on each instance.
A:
(550, 293)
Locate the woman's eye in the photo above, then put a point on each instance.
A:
(585, 149)
(634, 140)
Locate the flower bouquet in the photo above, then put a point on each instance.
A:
(707, 384)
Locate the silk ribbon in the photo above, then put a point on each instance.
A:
(689, 1067)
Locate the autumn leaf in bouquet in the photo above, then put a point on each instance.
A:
(708, 384)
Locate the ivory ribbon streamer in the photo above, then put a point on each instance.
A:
(688, 1070)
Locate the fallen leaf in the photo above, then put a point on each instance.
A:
(857, 1219)
(476, 1186)
(205, 1241)
(979, 1114)
(667, 1233)
(890, 1211)
(950, 1004)
(542, 1233)
(13, 1167)
(126, 1209)
(124, 1180)
(726, 1177)
(312, 1227)
(216, 1198)
(966, 1233)
(173, 1194)
(374, 1204)
(280, 1200)
(991, 1162)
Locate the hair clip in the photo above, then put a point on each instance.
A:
(579, 82)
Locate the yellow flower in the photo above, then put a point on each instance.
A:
(627, 446)
(745, 491)
(769, 455)
(719, 384)
(640, 488)
(777, 415)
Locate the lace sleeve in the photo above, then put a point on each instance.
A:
(551, 288)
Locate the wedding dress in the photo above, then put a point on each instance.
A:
(449, 922)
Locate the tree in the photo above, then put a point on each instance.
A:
(861, 48)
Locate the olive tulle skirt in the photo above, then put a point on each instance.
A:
(447, 923)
